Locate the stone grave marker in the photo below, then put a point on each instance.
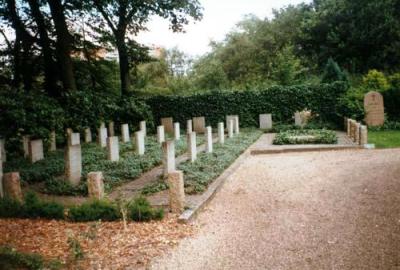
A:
(199, 124)
(221, 133)
(36, 150)
(189, 126)
(111, 131)
(297, 119)
(102, 137)
(177, 131)
(125, 133)
(95, 184)
(192, 146)
(374, 109)
(168, 124)
(88, 135)
(168, 156)
(139, 143)
(230, 128)
(73, 160)
(53, 143)
(25, 145)
(12, 186)
(113, 149)
(176, 192)
(363, 135)
(209, 140)
(160, 134)
(143, 128)
(265, 121)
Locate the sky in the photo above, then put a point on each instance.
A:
(219, 17)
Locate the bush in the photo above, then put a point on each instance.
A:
(141, 210)
(12, 259)
(32, 207)
(10, 208)
(375, 81)
(93, 211)
(306, 136)
(333, 73)
(281, 101)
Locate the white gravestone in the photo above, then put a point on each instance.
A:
(160, 134)
(102, 137)
(73, 160)
(209, 140)
(36, 150)
(125, 133)
(168, 157)
(221, 133)
(177, 131)
(113, 149)
(139, 143)
(143, 128)
(88, 135)
(192, 146)
(189, 126)
(265, 121)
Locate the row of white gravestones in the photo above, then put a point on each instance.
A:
(235, 120)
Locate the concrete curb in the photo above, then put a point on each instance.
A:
(269, 151)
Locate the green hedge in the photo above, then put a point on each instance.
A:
(281, 101)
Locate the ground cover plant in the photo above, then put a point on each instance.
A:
(306, 136)
(50, 170)
(32, 207)
(208, 166)
(12, 259)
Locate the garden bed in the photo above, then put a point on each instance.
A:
(208, 166)
(306, 136)
(49, 172)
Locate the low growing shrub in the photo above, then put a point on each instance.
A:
(31, 208)
(306, 136)
(12, 259)
(93, 211)
(141, 210)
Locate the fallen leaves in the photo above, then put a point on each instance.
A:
(106, 245)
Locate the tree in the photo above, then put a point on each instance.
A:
(63, 44)
(333, 73)
(125, 18)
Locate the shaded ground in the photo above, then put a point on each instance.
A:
(328, 210)
(105, 245)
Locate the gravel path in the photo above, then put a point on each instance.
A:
(328, 210)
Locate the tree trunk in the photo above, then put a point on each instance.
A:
(123, 64)
(22, 49)
(50, 68)
(63, 45)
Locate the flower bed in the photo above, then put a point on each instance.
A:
(306, 136)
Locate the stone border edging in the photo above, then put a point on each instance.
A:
(304, 149)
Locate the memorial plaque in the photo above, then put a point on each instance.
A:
(374, 109)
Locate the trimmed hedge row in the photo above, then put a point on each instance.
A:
(281, 101)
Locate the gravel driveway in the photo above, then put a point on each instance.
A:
(327, 210)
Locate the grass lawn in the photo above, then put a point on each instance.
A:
(384, 139)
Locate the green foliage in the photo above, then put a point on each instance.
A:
(333, 73)
(43, 170)
(388, 125)
(306, 136)
(63, 188)
(12, 259)
(93, 211)
(140, 210)
(375, 80)
(32, 207)
(208, 166)
(385, 139)
(392, 98)
(10, 208)
(313, 124)
(154, 188)
(281, 101)
(352, 104)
